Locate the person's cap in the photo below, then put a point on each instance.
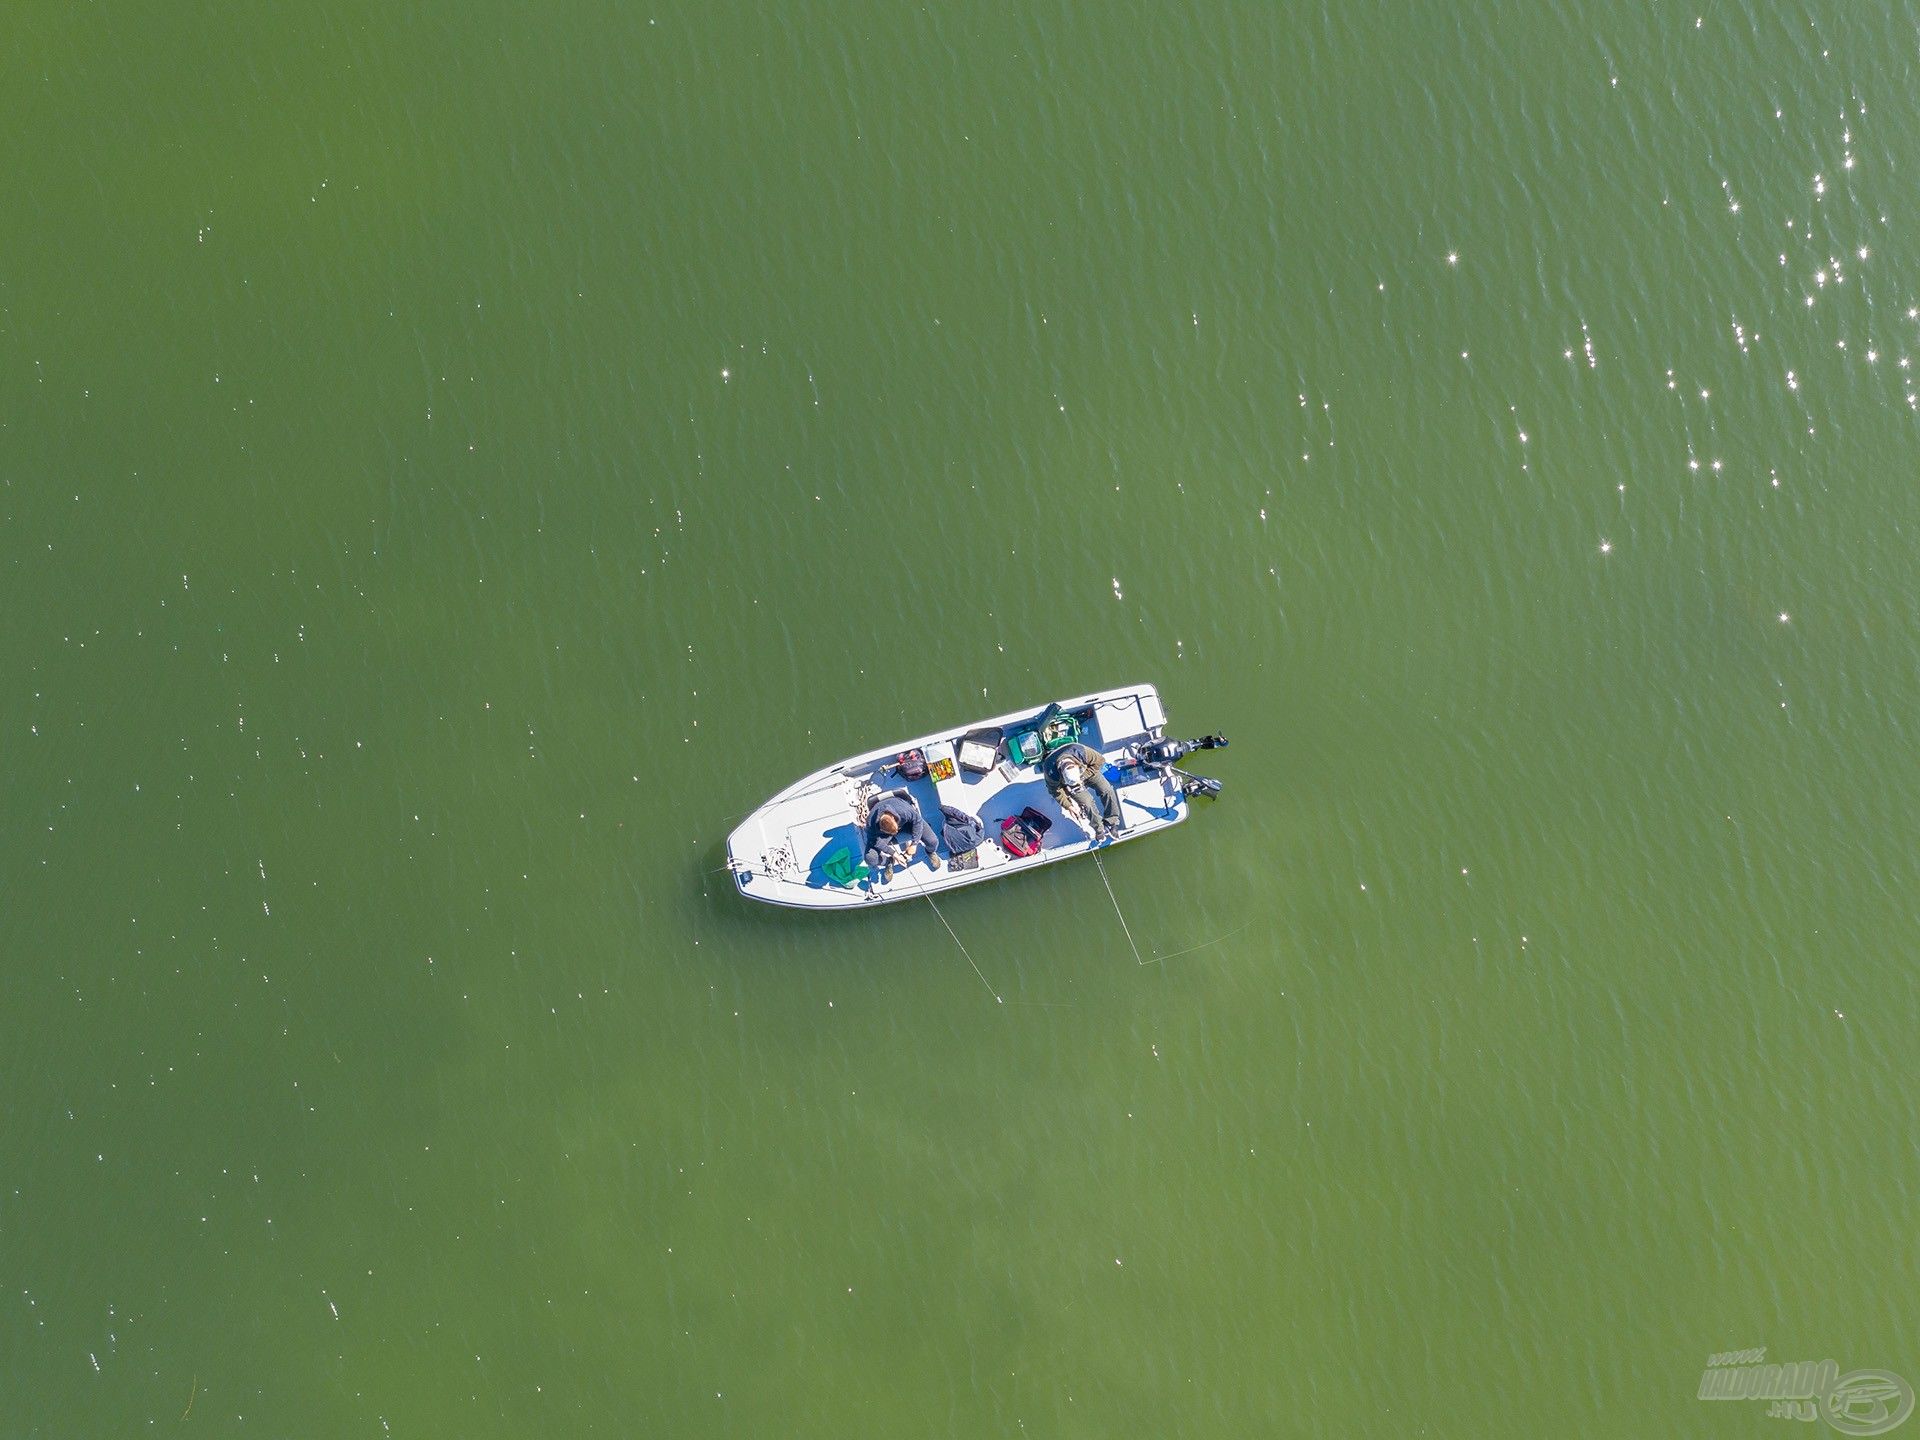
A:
(1070, 773)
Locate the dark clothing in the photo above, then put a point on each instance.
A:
(961, 831)
(1094, 796)
(888, 850)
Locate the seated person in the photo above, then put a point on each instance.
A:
(1074, 772)
(895, 830)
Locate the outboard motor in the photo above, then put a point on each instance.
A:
(1165, 755)
(1162, 753)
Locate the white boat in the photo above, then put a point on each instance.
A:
(806, 846)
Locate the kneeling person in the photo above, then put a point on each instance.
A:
(1074, 772)
(895, 830)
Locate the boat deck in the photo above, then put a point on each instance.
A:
(797, 849)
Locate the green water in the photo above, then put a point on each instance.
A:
(456, 459)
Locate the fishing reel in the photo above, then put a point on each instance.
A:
(1165, 755)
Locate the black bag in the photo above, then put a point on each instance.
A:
(1038, 822)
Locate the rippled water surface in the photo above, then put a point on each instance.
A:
(454, 460)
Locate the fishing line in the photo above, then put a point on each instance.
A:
(956, 939)
(1116, 906)
(1162, 959)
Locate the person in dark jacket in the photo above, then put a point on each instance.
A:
(895, 832)
(1074, 772)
